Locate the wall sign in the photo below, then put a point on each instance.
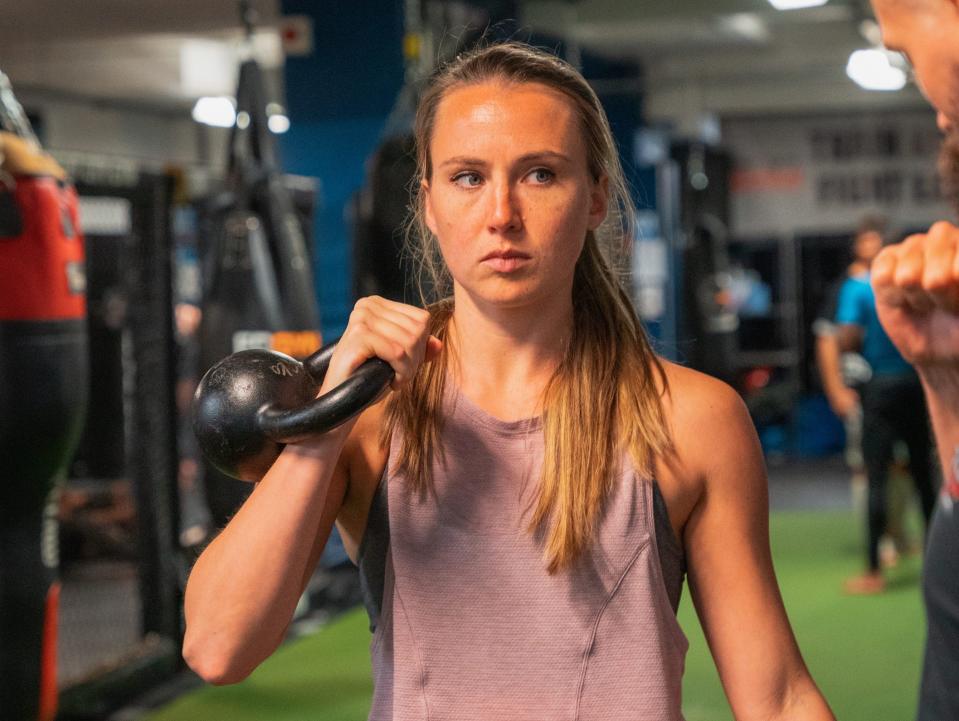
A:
(821, 174)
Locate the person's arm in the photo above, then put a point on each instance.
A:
(731, 577)
(842, 399)
(917, 298)
(849, 337)
(243, 589)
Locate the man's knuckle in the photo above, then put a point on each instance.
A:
(935, 280)
(941, 228)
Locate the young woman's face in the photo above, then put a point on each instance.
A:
(510, 197)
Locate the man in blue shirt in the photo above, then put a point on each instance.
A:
(893, 408)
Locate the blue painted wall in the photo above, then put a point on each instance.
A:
(338, 99)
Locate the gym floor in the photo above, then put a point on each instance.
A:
(864, 652)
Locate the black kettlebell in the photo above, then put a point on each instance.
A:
(251, 403)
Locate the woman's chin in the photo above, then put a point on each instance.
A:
(514, 296)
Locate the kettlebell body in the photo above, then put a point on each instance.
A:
(228, 401)
(251, 403)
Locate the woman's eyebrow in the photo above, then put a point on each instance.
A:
(543, 155)
(462, 160)
(465, 160)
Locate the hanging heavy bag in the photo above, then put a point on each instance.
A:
(258, 281)
(379, 214)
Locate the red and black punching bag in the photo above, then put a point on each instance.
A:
(43, 386)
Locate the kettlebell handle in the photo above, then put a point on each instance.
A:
(334, 407)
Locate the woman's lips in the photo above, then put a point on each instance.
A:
(505, 261)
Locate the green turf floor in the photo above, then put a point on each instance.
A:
(863, 652)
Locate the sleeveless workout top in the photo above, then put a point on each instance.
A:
(468, 623)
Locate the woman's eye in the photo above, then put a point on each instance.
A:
(467, 180)
(541, 175)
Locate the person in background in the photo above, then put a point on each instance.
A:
(843, 377)
(917, 298)
(893, 408)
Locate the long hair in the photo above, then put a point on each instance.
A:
(605, 396)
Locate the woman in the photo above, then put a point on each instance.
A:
(522, 504)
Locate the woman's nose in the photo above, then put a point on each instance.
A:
(504, 215)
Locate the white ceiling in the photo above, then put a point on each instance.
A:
(138, 51)
(699, 56)
(726, 57)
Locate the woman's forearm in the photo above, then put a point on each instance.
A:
(244, 587)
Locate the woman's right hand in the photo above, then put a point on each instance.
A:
(394, 332)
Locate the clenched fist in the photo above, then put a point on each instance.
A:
(395, 332)
(917, 295)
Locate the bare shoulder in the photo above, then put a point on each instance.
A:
(707, 417)
(697, 398)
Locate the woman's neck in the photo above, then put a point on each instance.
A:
(505, 357)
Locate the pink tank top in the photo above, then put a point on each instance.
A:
(473, 627)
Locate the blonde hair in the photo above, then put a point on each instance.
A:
(604, 397)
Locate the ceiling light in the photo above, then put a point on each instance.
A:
(872, 70)
(207, 67)
(796, 4)
(216, 111)
(278, 123)
(746, 25)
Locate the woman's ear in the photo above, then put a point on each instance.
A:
(598, 202)
(428, 206)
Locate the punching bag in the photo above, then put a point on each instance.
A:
(708, 322)
(258, 282)
(379, 214)
(43, 386)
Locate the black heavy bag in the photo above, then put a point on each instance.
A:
(708, 322)
(258, 282)
(709, 299)
(43, 385)
(379, 212)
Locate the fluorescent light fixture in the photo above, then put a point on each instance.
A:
(207, 67)
(872, 70)
(796, 4)
(216, 111)
(220, 112)
(746, 25)
(278, 123)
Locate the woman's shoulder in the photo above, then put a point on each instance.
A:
(704, 413)
(709, 431)
(693, 395)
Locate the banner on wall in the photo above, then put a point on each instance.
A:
(821, 174)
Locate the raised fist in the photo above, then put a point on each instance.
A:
(917, 295)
